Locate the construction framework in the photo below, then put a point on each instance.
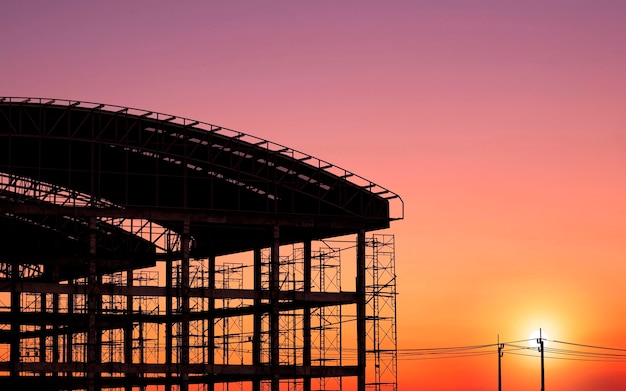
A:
(145, 251)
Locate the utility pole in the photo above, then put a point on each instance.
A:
(541, 349)
(500, 354)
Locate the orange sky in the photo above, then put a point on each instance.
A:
(501, 125)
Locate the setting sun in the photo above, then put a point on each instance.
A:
(535, 336)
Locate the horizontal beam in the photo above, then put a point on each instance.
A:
(236, 218)
(8, 285)
(202, 372)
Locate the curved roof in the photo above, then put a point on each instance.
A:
(153, 174)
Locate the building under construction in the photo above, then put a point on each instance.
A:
(145, 251)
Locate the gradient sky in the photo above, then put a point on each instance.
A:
(502, 124)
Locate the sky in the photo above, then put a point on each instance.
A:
(501, 124)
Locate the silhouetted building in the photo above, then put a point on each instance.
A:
(140, 249)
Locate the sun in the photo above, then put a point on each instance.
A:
(533, 339)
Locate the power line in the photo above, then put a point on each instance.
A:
(588, 346)
(450, 348)
(570, 358)
(449, 356)
(585, 352)
(571, 351)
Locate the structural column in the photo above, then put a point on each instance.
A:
(55, 326)
(93, 308)
(360, 309)
(210, 334)
(128, 329)
(69, 345)
(15, 322)
(42, 337)
(184, 309)
(306, 349)
(274, 316)
(258, 314)
(169, 272)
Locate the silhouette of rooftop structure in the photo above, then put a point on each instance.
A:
(119, 227)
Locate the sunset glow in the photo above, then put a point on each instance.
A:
(535, 337)
(502, 125)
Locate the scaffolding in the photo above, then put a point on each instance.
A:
(381, 314)
(138, 330)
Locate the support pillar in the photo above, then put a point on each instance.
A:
(274, 316)
(15, 323)
(128, 329)
(184, 309)
(258, 314)
(69, 345)
(55, 326)
(306, 321)
(94, 304)
(210, 334)
(169, 272)
(360, 310)
(43, 332)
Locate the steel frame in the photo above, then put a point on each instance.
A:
(110, 279)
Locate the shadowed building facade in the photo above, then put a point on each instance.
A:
(119, 227)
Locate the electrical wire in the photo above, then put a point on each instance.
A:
(588, 346)
(575, 352)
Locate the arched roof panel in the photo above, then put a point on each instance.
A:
(144, 161)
